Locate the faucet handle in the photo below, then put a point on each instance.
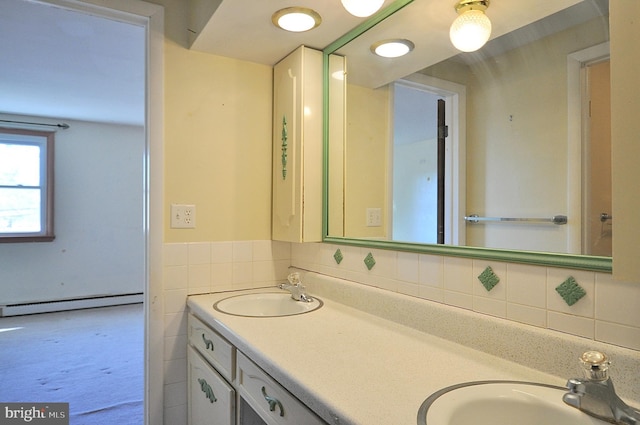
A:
(294, 278)
(595, 365)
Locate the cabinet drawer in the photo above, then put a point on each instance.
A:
(269, 399)
(211, 400)
(215, 349)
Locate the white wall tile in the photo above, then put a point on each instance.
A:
(242, 251)
(221, 274)
(176, 277)
(493, 307)
(199, 253)
(458, 299)
(526, 314)
(221, 252)
(175, 371)
(431, 270)
(431, 293)
(175, 347)
(175, 395)
(614, 333)
(617, 302)
(242, 272)
(458, 275)
(175, 301)
(175, 324)
(199, 278)
(175, 254)
(575, 325)
(408, 265)
(526, 285)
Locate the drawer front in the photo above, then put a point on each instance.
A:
(269, 399)
(211, 400)
(217, 350)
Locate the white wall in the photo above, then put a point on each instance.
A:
(98, 219)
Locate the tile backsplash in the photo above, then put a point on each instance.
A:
(608, 312)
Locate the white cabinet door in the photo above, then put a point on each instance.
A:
(272, 402)
(211, 399)
(297, 147)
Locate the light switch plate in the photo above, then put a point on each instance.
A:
(374, 217)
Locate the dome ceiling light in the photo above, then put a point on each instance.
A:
(296, 19)
(472, 28)
(392, 48)
(362, 8)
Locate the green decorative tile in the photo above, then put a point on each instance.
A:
(338, 256)
(570, 291)
(488, 278)
(369, 261)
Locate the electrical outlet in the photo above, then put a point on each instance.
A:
(374, 217)
(183, 216)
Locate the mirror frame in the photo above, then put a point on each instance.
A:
(573, 261)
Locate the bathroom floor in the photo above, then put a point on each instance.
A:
(92, 359)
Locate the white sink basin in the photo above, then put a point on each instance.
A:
(501, 403)
(270, 304)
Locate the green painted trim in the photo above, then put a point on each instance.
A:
(367, 25)
(571, 261)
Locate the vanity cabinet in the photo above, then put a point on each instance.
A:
(297, 147)
(211, 399)
(225, 387)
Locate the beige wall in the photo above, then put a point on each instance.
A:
(367, 153)
(625, 133)
(217, 139)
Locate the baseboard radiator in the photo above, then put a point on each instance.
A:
(71, 304)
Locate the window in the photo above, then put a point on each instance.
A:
(26, 185)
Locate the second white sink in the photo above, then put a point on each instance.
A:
(269, 304)
(501, 403)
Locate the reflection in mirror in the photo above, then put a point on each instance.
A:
(524, 133)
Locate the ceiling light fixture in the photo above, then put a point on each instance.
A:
(472, 28)
(296, 19)
(362, 8)
(392, 48)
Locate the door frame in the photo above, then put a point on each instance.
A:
(577, 134)
(455, 96)
(151, 17)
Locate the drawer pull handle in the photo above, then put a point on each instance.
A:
(206, 389)
(208, 343)
(272, 402)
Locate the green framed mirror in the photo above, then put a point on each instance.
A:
(338, 196)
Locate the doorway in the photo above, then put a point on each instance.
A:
(588, 226)
(598, 221)
(151, 18)
(427, 161)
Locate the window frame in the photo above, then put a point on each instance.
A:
(46, 233)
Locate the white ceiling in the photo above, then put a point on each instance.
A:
(72, 65)
(69, 64)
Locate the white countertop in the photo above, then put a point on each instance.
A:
(347, 364)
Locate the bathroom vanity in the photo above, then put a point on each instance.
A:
(364, 357)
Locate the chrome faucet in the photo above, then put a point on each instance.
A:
(595, 394)
(296, 288)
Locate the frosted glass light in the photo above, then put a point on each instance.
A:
(362, 8)
(470, 30)
(392, 48)
(296, 19)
